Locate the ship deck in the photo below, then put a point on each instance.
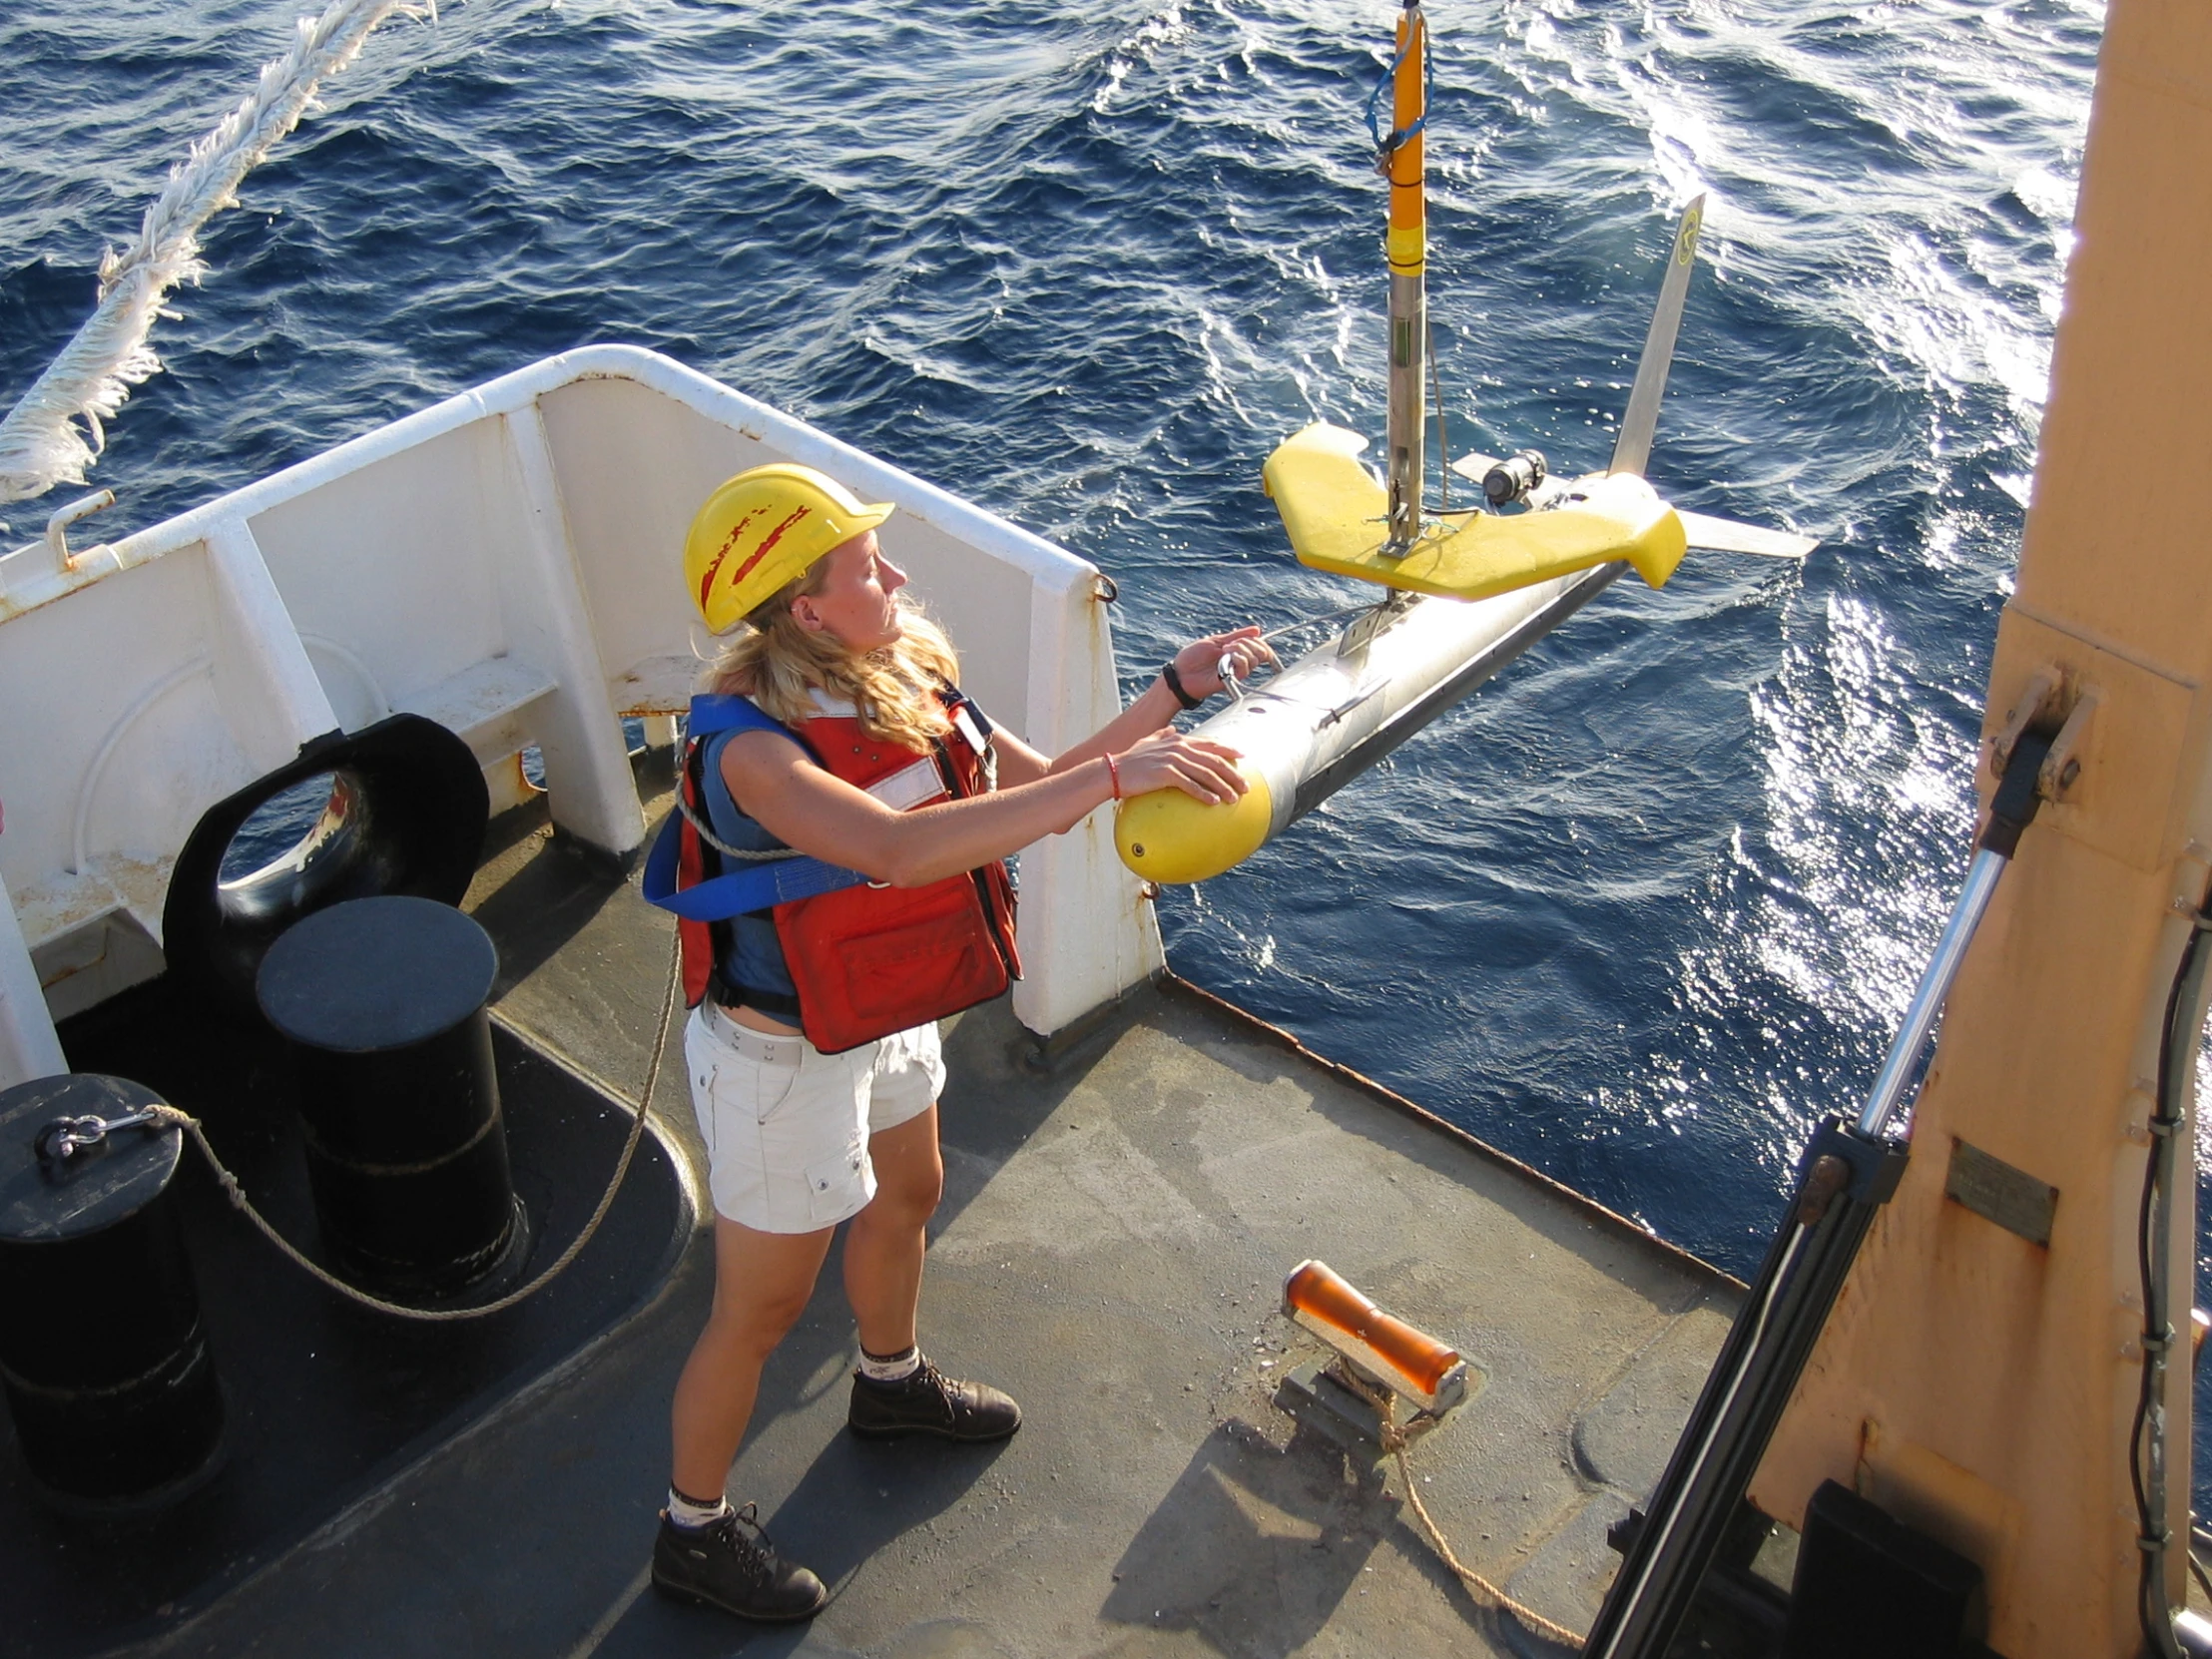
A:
(1118, 1220)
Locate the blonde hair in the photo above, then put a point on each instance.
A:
(779, 666)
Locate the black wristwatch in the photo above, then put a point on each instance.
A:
(1175, 685)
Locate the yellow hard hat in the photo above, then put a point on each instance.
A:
(764, 529)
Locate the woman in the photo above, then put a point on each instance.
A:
(852, 746)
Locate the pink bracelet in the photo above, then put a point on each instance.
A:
(1113, 775)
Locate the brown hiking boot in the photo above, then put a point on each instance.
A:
(930, 1402)
(730, 1565)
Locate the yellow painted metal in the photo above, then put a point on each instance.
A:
(1982, 1383)
(1165, 836)
(1334, 512)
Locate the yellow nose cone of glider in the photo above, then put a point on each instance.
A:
(1166, 835)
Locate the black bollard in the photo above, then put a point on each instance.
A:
(102, 1353)
(384, 1002)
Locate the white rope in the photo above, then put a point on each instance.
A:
(706, 834)
(40, 443)
(1397, 1438)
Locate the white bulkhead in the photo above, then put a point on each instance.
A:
(508, 564)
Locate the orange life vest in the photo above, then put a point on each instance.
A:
(867, 959)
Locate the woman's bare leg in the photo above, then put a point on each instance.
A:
(761, 1283)
(883, 1279)
(883, 1249)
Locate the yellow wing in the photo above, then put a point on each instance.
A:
(1335, 511)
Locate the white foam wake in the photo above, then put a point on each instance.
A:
(42, 442)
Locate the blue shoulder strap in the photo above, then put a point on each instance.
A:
(750, 888)
(712, 713)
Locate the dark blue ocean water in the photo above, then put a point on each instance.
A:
(1649, 903)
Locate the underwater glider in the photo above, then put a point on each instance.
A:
(1469, 590)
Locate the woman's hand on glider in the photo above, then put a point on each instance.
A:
(1170, 760)
(1199, 664)
(1148, 753)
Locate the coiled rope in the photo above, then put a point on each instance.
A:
(170, 1115)
(41, 444)
(1396, 1439)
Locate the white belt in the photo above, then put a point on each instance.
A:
(763, 1046)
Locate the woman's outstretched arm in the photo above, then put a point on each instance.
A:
(805, 806)
(1196, 665)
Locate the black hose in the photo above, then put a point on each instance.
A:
(2178, 1041)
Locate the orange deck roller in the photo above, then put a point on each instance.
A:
(1386, 1350)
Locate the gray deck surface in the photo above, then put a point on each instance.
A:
(1113, 1240)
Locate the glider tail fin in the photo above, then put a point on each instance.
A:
(1632, 450)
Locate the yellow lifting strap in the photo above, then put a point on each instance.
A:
(1337, 515)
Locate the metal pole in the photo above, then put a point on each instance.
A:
(1928, 1000)
(1407, 249)
(1843, 1179)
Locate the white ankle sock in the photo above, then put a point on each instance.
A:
(690, 1515)
(894, 1368)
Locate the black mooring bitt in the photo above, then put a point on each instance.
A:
(104, 1361)
(382, 1001)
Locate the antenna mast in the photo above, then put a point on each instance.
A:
(1407, 252)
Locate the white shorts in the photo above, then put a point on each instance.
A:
(787, 1126)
